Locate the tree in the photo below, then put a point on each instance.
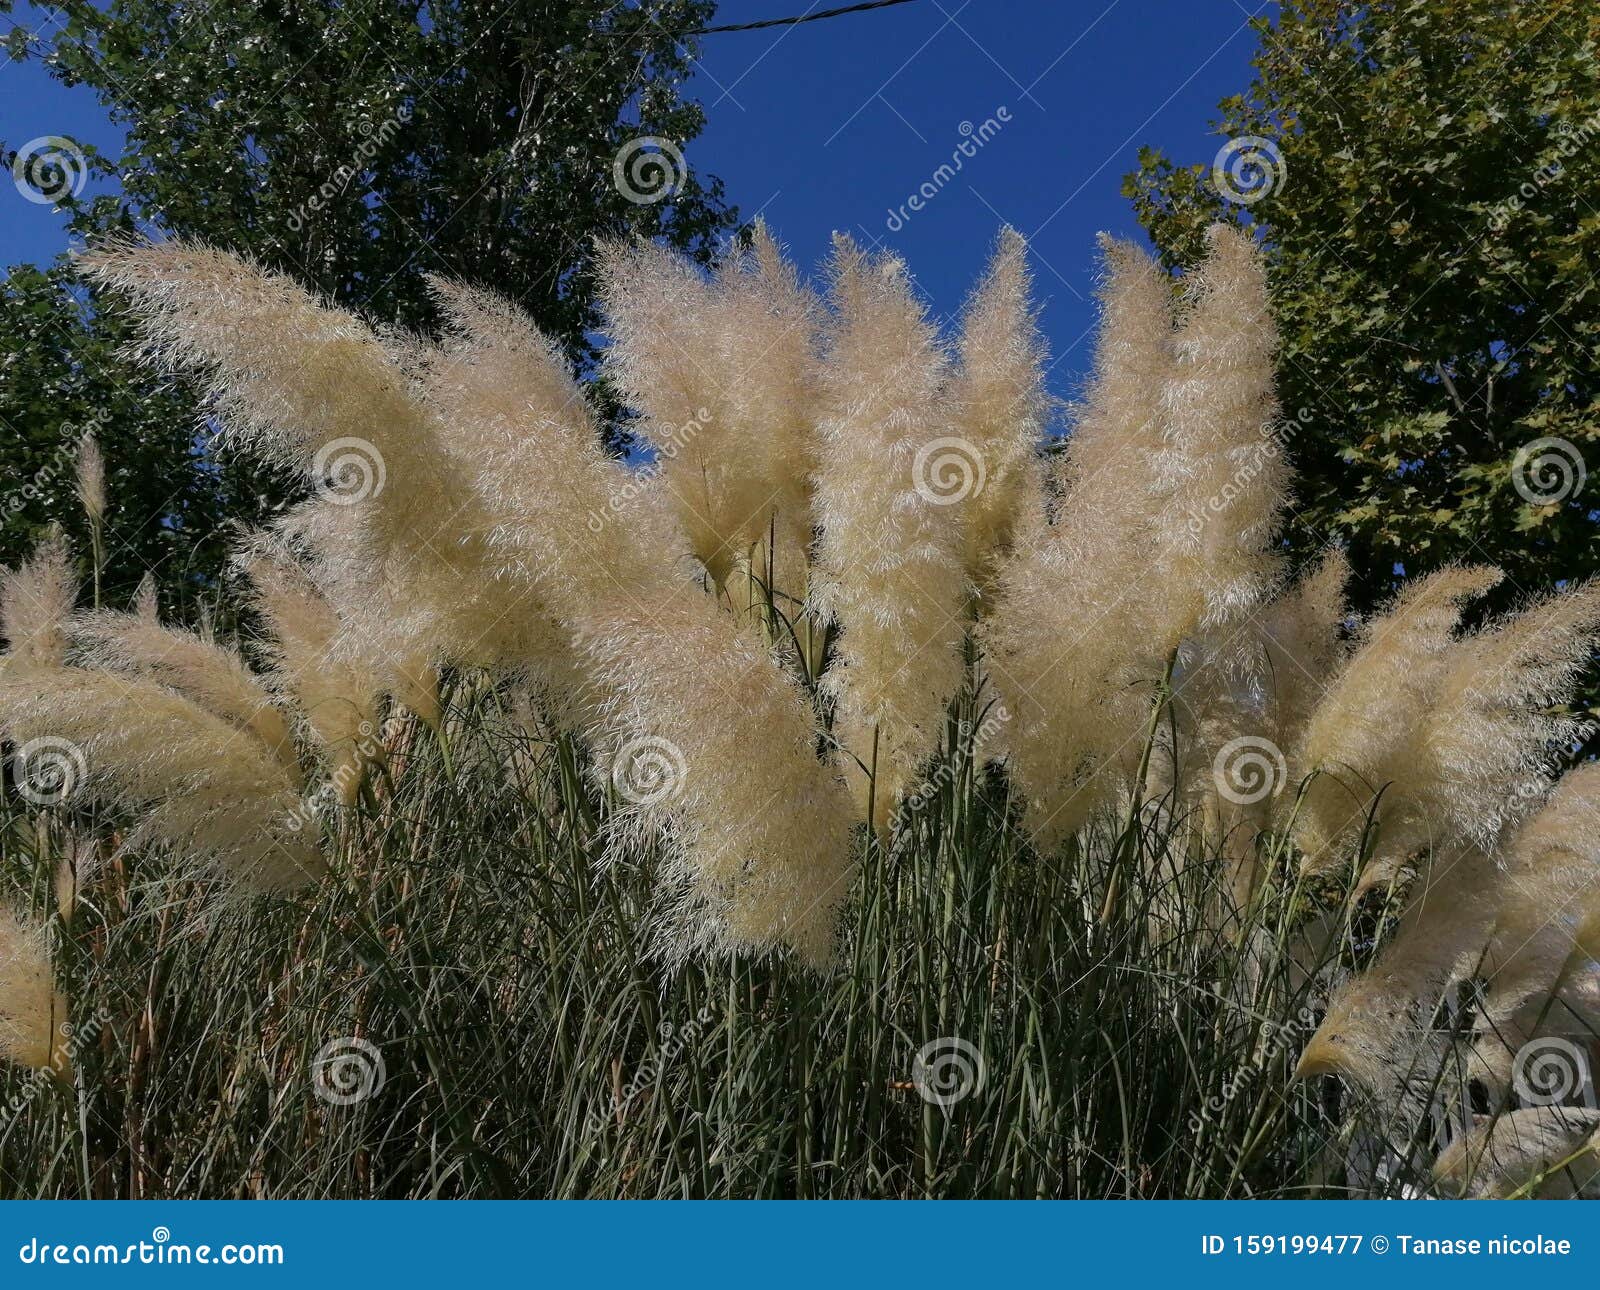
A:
(1426, 179)
(359, 145)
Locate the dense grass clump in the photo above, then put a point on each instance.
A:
(531, 1043)
(855, 800)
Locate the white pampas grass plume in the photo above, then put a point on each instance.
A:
(716, 748)
(32, 1010)
(308, 385)
(204, 790)
(1075, 642)
(1303, 645)
(336, 695)
(91, 478)
(1486, 746)
(1551, 1152)
(890, 556)
(146, 602)
(1000, 404)
(1378, 1030)
(722, 375)
(36, 599)
(1545, 897)
(211, 675)
(1225, 461)
(1358, 730)
(659, 676)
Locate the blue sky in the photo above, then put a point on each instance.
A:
(836, 124)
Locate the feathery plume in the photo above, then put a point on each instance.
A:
(307, 385)
(1225, 462)
(659, 675)
(1486, 746)
(890, 552)
(1357, 732)
(336, 695)
(36, 599)
(1000, 404)
(91, 478)
(1075, 643)
(722, 376)
(212, 676)
(1378, 1029)
(1553, 1149)
(32, 1010)
(205, 791)
(146, 603)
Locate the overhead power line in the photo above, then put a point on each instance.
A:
(795, 21)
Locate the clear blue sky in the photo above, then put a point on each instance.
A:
(834, 124)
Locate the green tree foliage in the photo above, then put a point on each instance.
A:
(1428, 183)
(359, 145)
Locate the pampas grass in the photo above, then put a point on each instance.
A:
(850, 716)
(32, 1010)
